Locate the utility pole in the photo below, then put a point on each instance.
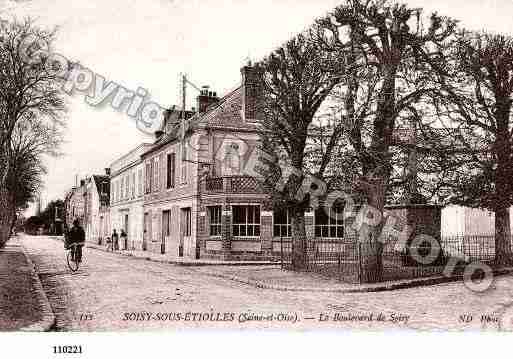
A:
(184, 101)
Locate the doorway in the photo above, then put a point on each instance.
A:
(146, 231)
(166, 230)
(125, 228)
(185, 229)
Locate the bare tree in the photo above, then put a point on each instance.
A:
(295, 81)
(477, 105)
(391, 54)
(31, 111)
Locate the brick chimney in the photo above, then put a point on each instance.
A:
(206, 98)
(250, 93)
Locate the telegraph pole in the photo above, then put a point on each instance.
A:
(184, 101)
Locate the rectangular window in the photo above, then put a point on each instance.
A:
(133, 184)
(140, 183)
(329, 222)
(150, 183)
(147, 176)
(127, 188)
(183, 169)
(246, 221)
(214, 215)
(171, 159)
(118, 191)
(122, 189)
(156, 175)
(186, 222)
(282, 223)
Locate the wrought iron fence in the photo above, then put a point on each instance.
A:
(348, 260)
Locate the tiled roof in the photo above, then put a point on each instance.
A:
(226, 113)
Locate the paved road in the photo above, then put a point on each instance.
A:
(112, 292)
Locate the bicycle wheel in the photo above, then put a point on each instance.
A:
(73, 266)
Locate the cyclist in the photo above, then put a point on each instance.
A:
(76, 235)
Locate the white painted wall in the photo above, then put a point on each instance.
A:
(459, 220)
(453, 221)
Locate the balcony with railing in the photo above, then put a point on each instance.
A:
(231, 184)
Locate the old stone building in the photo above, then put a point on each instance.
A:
(201, 198)
(74, 204)
(198, 200)
(89, 203)
(126, 193)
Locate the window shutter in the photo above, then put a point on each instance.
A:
(162, 173)
(173, 169)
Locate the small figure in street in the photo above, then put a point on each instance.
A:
(115, 241)
(76, 235)
(124, 239)
(109, 244)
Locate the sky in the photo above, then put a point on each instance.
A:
(148, 43)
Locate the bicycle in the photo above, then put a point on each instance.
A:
(73, 264)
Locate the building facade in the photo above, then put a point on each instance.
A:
(96, 204)
(201, 199)
(89, 203)
(193, 193)
(126, 193)
(74, 204)
(198, 200)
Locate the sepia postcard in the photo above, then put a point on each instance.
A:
(341, 165)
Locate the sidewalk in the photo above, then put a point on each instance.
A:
(155, 257)
(273, 277)
(23, 303)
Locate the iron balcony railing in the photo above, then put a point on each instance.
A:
(231, 184)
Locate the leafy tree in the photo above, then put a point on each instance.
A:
(53, 208)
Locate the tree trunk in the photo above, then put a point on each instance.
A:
(503, 254)
(371, 253)
(299, 241)
(6, 218)
(377, 174)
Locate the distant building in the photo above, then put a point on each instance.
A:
(74, 204)
(460, 221)
(97, 200)
(89, 203)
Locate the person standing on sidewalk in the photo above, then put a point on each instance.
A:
(115, 241)
(124, 239)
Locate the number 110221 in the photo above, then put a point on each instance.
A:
(67, 349)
